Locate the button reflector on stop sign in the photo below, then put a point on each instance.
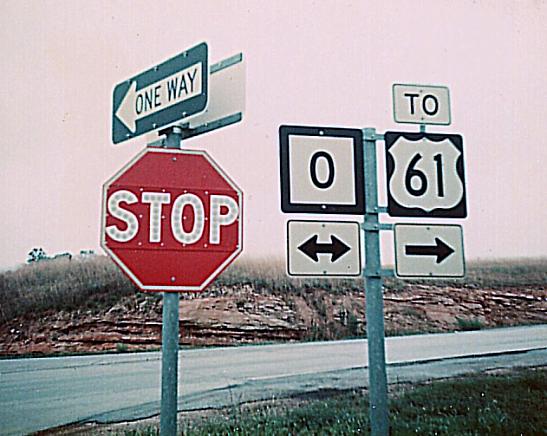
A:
(172, 220)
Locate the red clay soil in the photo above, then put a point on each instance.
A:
(243, 315)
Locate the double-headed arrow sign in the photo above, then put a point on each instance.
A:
(312, 248)
(323, 248)
(164, 94)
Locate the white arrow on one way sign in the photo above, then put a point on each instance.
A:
(137, 104)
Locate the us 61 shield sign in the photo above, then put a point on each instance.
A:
(425, 175)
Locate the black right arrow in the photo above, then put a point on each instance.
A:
(312, 248)
(440, 249)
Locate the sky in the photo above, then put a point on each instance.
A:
(309, 63)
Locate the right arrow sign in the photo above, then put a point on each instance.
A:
(426, 251)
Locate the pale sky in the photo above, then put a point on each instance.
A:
(318, 63)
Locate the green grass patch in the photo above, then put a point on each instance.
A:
(467, 324)
(503, 404)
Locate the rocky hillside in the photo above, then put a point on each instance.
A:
(254, 304)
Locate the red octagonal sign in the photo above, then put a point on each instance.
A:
(172, 220)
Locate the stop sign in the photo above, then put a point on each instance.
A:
(172, 219)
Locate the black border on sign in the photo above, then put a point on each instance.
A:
(341, 276)
(287, 205)
(394, 208)
(428, 277)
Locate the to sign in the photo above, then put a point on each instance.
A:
(168, 92)
(427, 251)
(323, 248)
(321, 170)
(172, 220)
(425, 175)
(417, 104)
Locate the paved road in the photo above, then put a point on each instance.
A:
(42, 393)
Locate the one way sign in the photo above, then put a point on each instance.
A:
(428, 251)
(323, 248)
(164, 94)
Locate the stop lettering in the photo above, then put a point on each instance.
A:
(185, 233)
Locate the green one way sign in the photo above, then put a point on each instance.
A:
(166, 93)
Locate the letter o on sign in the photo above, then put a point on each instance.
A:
(315, 162)
(430, 108)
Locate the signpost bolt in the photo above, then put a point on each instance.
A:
(173, 278)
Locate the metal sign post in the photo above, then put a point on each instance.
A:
(169, 363)
(379, 408)
(170, 339)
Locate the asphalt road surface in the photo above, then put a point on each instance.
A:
(37, 394)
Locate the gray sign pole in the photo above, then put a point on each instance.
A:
(379, 419)
(170, 339)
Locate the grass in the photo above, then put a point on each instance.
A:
(96, 283)
(495, 404)
(61, 285)
(469, 324)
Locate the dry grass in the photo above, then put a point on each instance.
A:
(94, 283)
(61, 285)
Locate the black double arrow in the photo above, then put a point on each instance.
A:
(441, 250)
(312, 248)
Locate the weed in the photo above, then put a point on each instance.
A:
(469, 324)
(121, 348)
